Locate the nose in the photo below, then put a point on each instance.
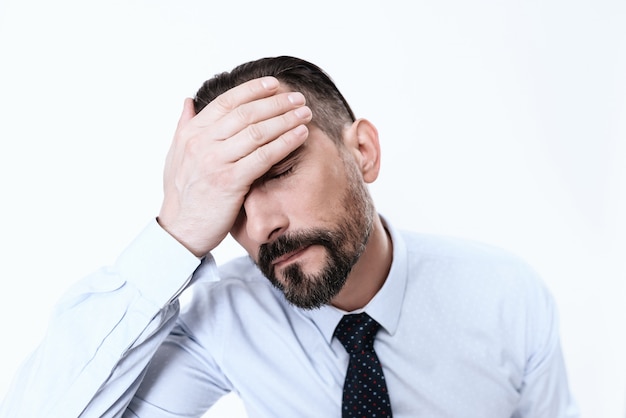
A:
(265, 218)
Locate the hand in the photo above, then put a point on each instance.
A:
(217, 154)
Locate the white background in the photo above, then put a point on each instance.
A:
(500, 121)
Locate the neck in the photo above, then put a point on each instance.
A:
(369, 273)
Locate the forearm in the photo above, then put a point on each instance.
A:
(103, 333)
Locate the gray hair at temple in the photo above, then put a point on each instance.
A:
(331, 112)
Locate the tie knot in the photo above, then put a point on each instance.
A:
(357, 332)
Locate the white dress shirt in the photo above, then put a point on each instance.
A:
(466, 331)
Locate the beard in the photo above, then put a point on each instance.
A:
(344, 245)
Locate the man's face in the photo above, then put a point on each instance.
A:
(307, 221)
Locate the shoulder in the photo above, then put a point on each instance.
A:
(429, 246)
(472, 269)
(471, 256)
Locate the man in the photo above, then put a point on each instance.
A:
(272, 154)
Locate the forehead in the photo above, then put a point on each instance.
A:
(318, 142)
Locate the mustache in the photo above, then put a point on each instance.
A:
(288, 243)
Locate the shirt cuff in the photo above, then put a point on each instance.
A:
(157, 264)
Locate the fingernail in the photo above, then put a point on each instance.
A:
(296, 98)
(303, 112)
(269, 83)
(300, 130)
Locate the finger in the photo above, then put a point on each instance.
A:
(258, 110)
(244, 93)
(186, 115)
(188, 112)
(264, 132)
(257, 163)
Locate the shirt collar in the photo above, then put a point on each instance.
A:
(385, 306)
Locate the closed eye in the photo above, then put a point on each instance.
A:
(285, 167)
(282, 173)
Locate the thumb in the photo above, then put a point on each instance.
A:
(188, 112)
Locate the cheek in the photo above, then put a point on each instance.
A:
(311, 200)
(327, 195)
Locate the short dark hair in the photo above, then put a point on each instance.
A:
(331, 112)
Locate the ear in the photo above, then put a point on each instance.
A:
(361, 140)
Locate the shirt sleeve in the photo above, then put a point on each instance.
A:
(545, 391)
(103, 333)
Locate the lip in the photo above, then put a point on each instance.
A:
(285, 258)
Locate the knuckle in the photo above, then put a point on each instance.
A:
(243, 114)
(263, 156)
(223, 177)
(256, 133)
(191, 146)
(184, 133)
(223, 103)
(280, 103)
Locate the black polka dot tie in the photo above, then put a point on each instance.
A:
(364, 390)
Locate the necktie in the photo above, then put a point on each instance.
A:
(364, 390)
